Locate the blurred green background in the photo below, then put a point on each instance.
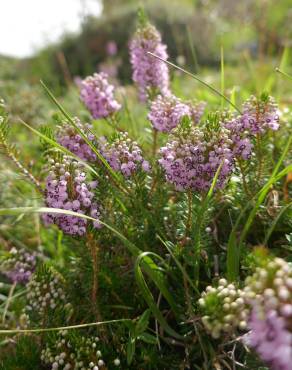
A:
(255, 35)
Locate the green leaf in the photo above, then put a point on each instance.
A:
(142, 323)
(148, 338)
(131, 347)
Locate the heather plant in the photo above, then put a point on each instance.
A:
(150, 75)
(18, 265)
(163, 229)
(97, 94)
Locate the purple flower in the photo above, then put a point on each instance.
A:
(197, 110)
(268, 292)
(18, 265)
(98, 96)
(68, 137)
(192, 156)
(123, 155)
(111, 48)
(240, 137)
(270, 338)
(110, 68)
(168, 111)
(66, 188)
(260, 115)
(150, 74)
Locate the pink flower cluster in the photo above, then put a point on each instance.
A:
(68, 137)
(258, 116)
(270, 338)
(123, 155)
(192, 156)
(150, 74)
(18, 265)
(261, 114)
(66, 188)
(98, 96)
(197, 110)
(240, 136)
(269, 293)
(168, 111)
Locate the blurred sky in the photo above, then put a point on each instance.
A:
(26, 25)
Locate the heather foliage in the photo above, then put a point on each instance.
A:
(154, 236)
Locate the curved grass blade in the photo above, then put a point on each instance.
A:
(179, 265)
(26, 210)
(111, 172)
(283, 73)
(274, 223)
(152, 270)
(197, 79)
(234, 246)
(149, 297)
(79, 326)
(66, 151)
(58, 146)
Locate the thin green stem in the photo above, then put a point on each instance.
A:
(260, 157)
(283, 73)
(79, 326)
(11, 291)
(222, 77)
(189, 216)
(193, 51)
(93, 249)
(215, 91)
(274, 223)
(154, 147)
(245, 186)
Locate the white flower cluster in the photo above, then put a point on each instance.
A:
(224, 308)
(72, 353)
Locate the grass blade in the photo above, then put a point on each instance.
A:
(234, 247)
(283, 73)
(274, 223)
(149, 265)
(223, 77)
(215, 91)
(179, 265)
(58, 146)
(149, 297)
(44, 330)
(192, 48)
(111, 172)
